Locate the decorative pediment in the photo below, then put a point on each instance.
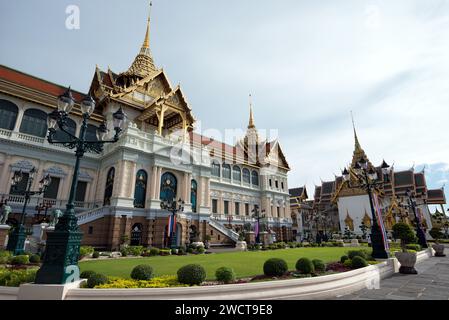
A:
(22, 165)
(55, 172)
(83, 175)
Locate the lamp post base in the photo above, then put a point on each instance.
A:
(378, 246)
(16, 241)
(60, 264)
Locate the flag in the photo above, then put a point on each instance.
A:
(171, 224)
(256, 229)
(380, 221)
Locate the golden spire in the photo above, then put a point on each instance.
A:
(143, 64)
(146, 42)
(251, 117)
(359, 153)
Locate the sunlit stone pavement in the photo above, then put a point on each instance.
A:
(431, 283)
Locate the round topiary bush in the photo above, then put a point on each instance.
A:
(86, 274)
(361, 253)
(348, 263)
(20, 260)
(275, 267)
(343, 259)
(154, 252)
(319, 265)
(305, 266)
(225, 275)
(142, 272)
(96, 279)
(191, 274)
(358, 262)
(35, 258)
(96, 255)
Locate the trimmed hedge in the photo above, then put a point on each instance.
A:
(86, 274)
(191, 274)
(96, 279)
(20, 260)
(35, 258)
(305, 266)
(343, 259)
(361, 253)
(142, 272)
(225, 275)
(358, 262)
(319, 265)
(275, 267)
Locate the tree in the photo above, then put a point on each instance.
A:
(405, 233)
(364, 229)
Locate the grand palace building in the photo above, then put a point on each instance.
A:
(336, 206)
(119, 191)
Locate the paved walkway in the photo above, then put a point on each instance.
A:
(431, 283)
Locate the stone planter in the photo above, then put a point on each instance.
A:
(355, 243)
(241, 246)
(439, 250)
(407, 261)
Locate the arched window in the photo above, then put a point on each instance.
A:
(168, 186)
(34, 122)
(226, 171)
(8, 114)
(193, 195)
(246, 176)
(70, 127)
(236, 174)
(109, 187)
(255, 178)
(216, 169)
(91, 133)
(140, 191)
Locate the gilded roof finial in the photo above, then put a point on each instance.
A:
(146, 42)
(357, 143)
(251, 117)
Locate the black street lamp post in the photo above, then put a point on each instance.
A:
(411, 199)
(60, 264)
(257, 215)
(42, 207)
(367, 179)
(174, 207)
(16, 242)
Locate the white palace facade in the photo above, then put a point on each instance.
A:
(119, 191)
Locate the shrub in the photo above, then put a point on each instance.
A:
(14, 278)
(191, 274)
(96, 279)
(35, 258)
(181, 251)
(190, 250)
(319, 265)
(436, 233)
(343, 259)
(358, 262)
(174, 251)
(404, 232)
(4, 256)
(348, 263)
(225, 275)
(275, 267)
(85, 251)
(200, 250)
(20, 260)
(86, 274)
(159, 282)
(413, 246)
(124, 252)
(154, 252)
(142, 272)
(96, 255)
(135, 250)
(305, 266)
(361, 253)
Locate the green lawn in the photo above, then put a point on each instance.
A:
(244, 263)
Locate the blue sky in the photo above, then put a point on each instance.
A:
(306, 63)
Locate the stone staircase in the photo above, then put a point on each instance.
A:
(231, 234)
(91, 215)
